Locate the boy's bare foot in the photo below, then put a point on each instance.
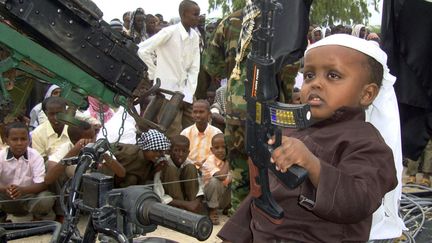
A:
(214, 217)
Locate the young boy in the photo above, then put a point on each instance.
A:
(201, 133)
(349, 165)
(178, 61)
(217, 178)
(188, 193)
(163, 172)
(22, 172)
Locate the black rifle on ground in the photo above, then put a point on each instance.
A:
(265, 115)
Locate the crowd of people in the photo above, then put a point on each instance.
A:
(352, 152)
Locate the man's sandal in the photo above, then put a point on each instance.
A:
(411, 180)
(425, 182)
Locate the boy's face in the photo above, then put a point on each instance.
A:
(179, 153)
(211, 97)
(200, 113)
(191, 16)
(51, 111)
(18, 141)
(151, 23)
(335, 76)
(218, 148)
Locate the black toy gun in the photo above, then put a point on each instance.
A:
(265, 116)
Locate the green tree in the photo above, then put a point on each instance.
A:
(323, 12)
(227, 6)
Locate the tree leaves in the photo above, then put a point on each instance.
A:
(323, 12)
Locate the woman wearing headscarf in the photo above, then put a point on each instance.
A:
(359, 30)
(137, 29)
(53, 90)
(317, 34)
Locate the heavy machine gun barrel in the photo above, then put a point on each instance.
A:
(121, 213)
(144, 209)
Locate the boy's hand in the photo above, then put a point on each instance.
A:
(292, 151)
(83, 142)
(14, 191)
(195, 206)
(160, 164)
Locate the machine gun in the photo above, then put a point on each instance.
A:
(265, 116)
(121, 214)
(124, 213)
(74, 48)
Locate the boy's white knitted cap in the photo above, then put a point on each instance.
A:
(370, 48)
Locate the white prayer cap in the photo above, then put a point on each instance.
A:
(370, 48)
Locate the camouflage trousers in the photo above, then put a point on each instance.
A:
(236, 154)
(423, 164)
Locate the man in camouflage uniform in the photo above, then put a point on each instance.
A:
(220, 60)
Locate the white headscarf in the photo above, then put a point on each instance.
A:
(356, 30)
(384, 115)
(50, 90)
(318, 29)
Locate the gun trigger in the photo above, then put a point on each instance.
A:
(306, 202)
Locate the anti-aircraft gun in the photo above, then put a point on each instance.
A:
(74, 48)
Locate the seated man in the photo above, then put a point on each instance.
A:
(201, 133)
(79, 136)
(22, 174)
(49, 135)
(58, 173)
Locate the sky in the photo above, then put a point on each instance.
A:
(169, 8)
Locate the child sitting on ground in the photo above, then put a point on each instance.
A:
(187, 192)
(22, 173)
(217, 178)
(350, 167)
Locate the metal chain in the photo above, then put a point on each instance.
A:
(121, 130)
(104, 130)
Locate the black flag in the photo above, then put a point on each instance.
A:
(290, 35)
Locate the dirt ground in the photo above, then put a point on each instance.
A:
(160, 232)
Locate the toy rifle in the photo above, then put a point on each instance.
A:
(265, 116)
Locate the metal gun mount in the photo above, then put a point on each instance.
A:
(74, 48)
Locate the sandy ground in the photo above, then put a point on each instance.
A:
(160, 232)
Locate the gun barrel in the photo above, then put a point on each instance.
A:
(143, 208)
(183, 221)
